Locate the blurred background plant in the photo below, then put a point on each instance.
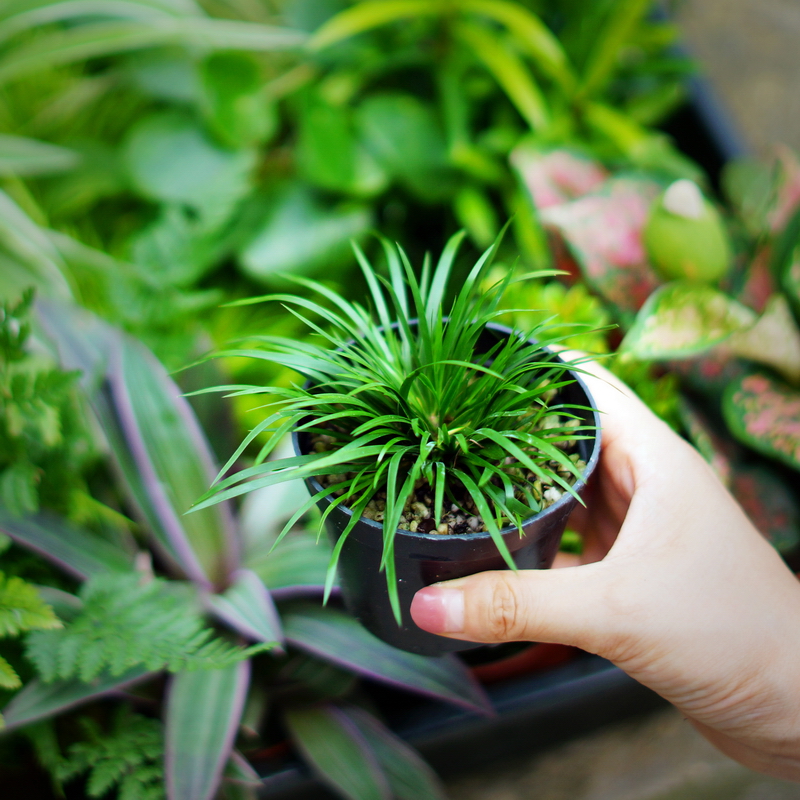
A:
(161, 157)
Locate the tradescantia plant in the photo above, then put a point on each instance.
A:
(412, 406)
(180, 595)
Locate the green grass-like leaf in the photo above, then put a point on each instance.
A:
(413, 390)
(124, 624)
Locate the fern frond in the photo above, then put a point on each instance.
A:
(22, 609)
(8, 677)
(123, 625)
(130, 757)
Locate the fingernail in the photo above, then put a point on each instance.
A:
(439, 610)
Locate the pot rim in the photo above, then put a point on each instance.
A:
(555, 508)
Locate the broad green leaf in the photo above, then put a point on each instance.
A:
(23, 157)
(96, 39)
(41, 700)
(246, 606)
(202, 717)
(337, 751)
(235, 106)
(301, 235)
(404, 136)
(603, 231)
(410, 778)
(329, 154)
(78, 552)
(509, 71)
(337, 637)
(771, 505)
(682, 319)
(170, 159)
(765, 415)
(774, 340)
(368, 15)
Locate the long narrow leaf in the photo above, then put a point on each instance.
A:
(203, 713)
(80, 553)
(248, 609)
(337, 637)
(40, 700)
(337, 751)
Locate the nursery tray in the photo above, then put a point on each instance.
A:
(538, 711)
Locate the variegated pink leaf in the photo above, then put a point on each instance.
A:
(603, 230)
(769, 504)
(759, 285)
(787, 199)
(765, 415)
(556, 176)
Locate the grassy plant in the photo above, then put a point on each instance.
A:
(413, 393)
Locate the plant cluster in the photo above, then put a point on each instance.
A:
(417, 406)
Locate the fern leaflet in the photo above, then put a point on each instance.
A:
(130, 756)
(124, 624)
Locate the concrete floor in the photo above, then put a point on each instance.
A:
(750, 50)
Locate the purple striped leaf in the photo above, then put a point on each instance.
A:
(247, 608)
(238, 770)
(78, 552)
(764, 414)
(154, 437)
(410, 778)
(204, 708)
(298, 561)
(40, 700)
(337, 751)
(336, 637)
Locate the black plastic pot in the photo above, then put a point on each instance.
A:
(423, 558)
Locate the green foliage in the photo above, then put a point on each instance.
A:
(43, 445)
(125, 623)
(440, 402)
(128, 757)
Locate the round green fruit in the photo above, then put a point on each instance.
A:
(685, 236)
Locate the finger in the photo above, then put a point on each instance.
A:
(530, 605)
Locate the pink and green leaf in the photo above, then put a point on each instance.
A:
(555, 176)
(769, 504)
(764, 414)
(604, 232)
(682, 320)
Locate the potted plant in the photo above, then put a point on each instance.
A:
(437, 443)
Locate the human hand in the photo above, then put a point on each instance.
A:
(678, 589)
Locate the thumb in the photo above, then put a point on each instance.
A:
(567, 606)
